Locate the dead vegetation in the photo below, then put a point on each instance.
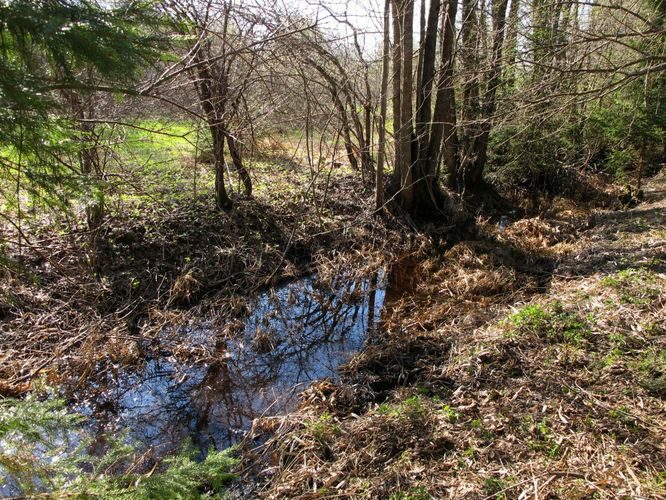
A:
(527, 359)
(529, 363)
(67, 314)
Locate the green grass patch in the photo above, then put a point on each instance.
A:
(554, 323)
(414, 407)
(650, 368)
(634, 286)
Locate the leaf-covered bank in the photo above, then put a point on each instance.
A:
(529, 363)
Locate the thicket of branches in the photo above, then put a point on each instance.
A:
(435, 93)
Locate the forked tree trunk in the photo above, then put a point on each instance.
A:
(222, 200)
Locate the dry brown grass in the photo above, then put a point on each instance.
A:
(71, 314)
(500, 375)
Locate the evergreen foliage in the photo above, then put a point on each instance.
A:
(48, 46)
(42, 452)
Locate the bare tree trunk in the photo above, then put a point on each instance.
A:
(381, 150)
(475, 172)
(425, 85)
(511, 50)
(222, 200)
(404, 140)
(397, 91)
(238, 165)
(89, 161)
(471, 101)
(335, 88)
(443, 145)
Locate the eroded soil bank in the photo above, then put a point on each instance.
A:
(528, 363)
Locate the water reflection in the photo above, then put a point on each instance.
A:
(294, 335)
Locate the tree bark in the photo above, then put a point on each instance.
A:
(381, 147)
(443, 145)
(404, 140)
(475, 171)
(425, 85)
(511, 46)
(222, 200)
(471, 101)
(397, 89)
(238, 165)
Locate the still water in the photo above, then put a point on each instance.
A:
(293, 335)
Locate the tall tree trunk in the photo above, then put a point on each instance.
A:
(421, 59)
(471, 73)
(82, 109)
(397, 89)
(425, 85)
(443, 145)
(381, 147)
(475, 172)
(404, 140)
(511, 50)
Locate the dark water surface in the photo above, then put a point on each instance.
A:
(294, 334)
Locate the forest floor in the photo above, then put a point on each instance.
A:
(524, 357)
(527, 363)
(71, 308)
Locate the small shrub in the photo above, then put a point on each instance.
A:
(37, 458)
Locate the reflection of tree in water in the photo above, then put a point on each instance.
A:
(307, 331)
(401, 281)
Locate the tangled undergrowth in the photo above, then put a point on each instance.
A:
(529, 363)
(67, 314)
(527, 359)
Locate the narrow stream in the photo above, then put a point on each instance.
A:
(294, 334)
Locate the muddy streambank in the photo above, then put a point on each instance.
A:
(68, 304)
(388, 372)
